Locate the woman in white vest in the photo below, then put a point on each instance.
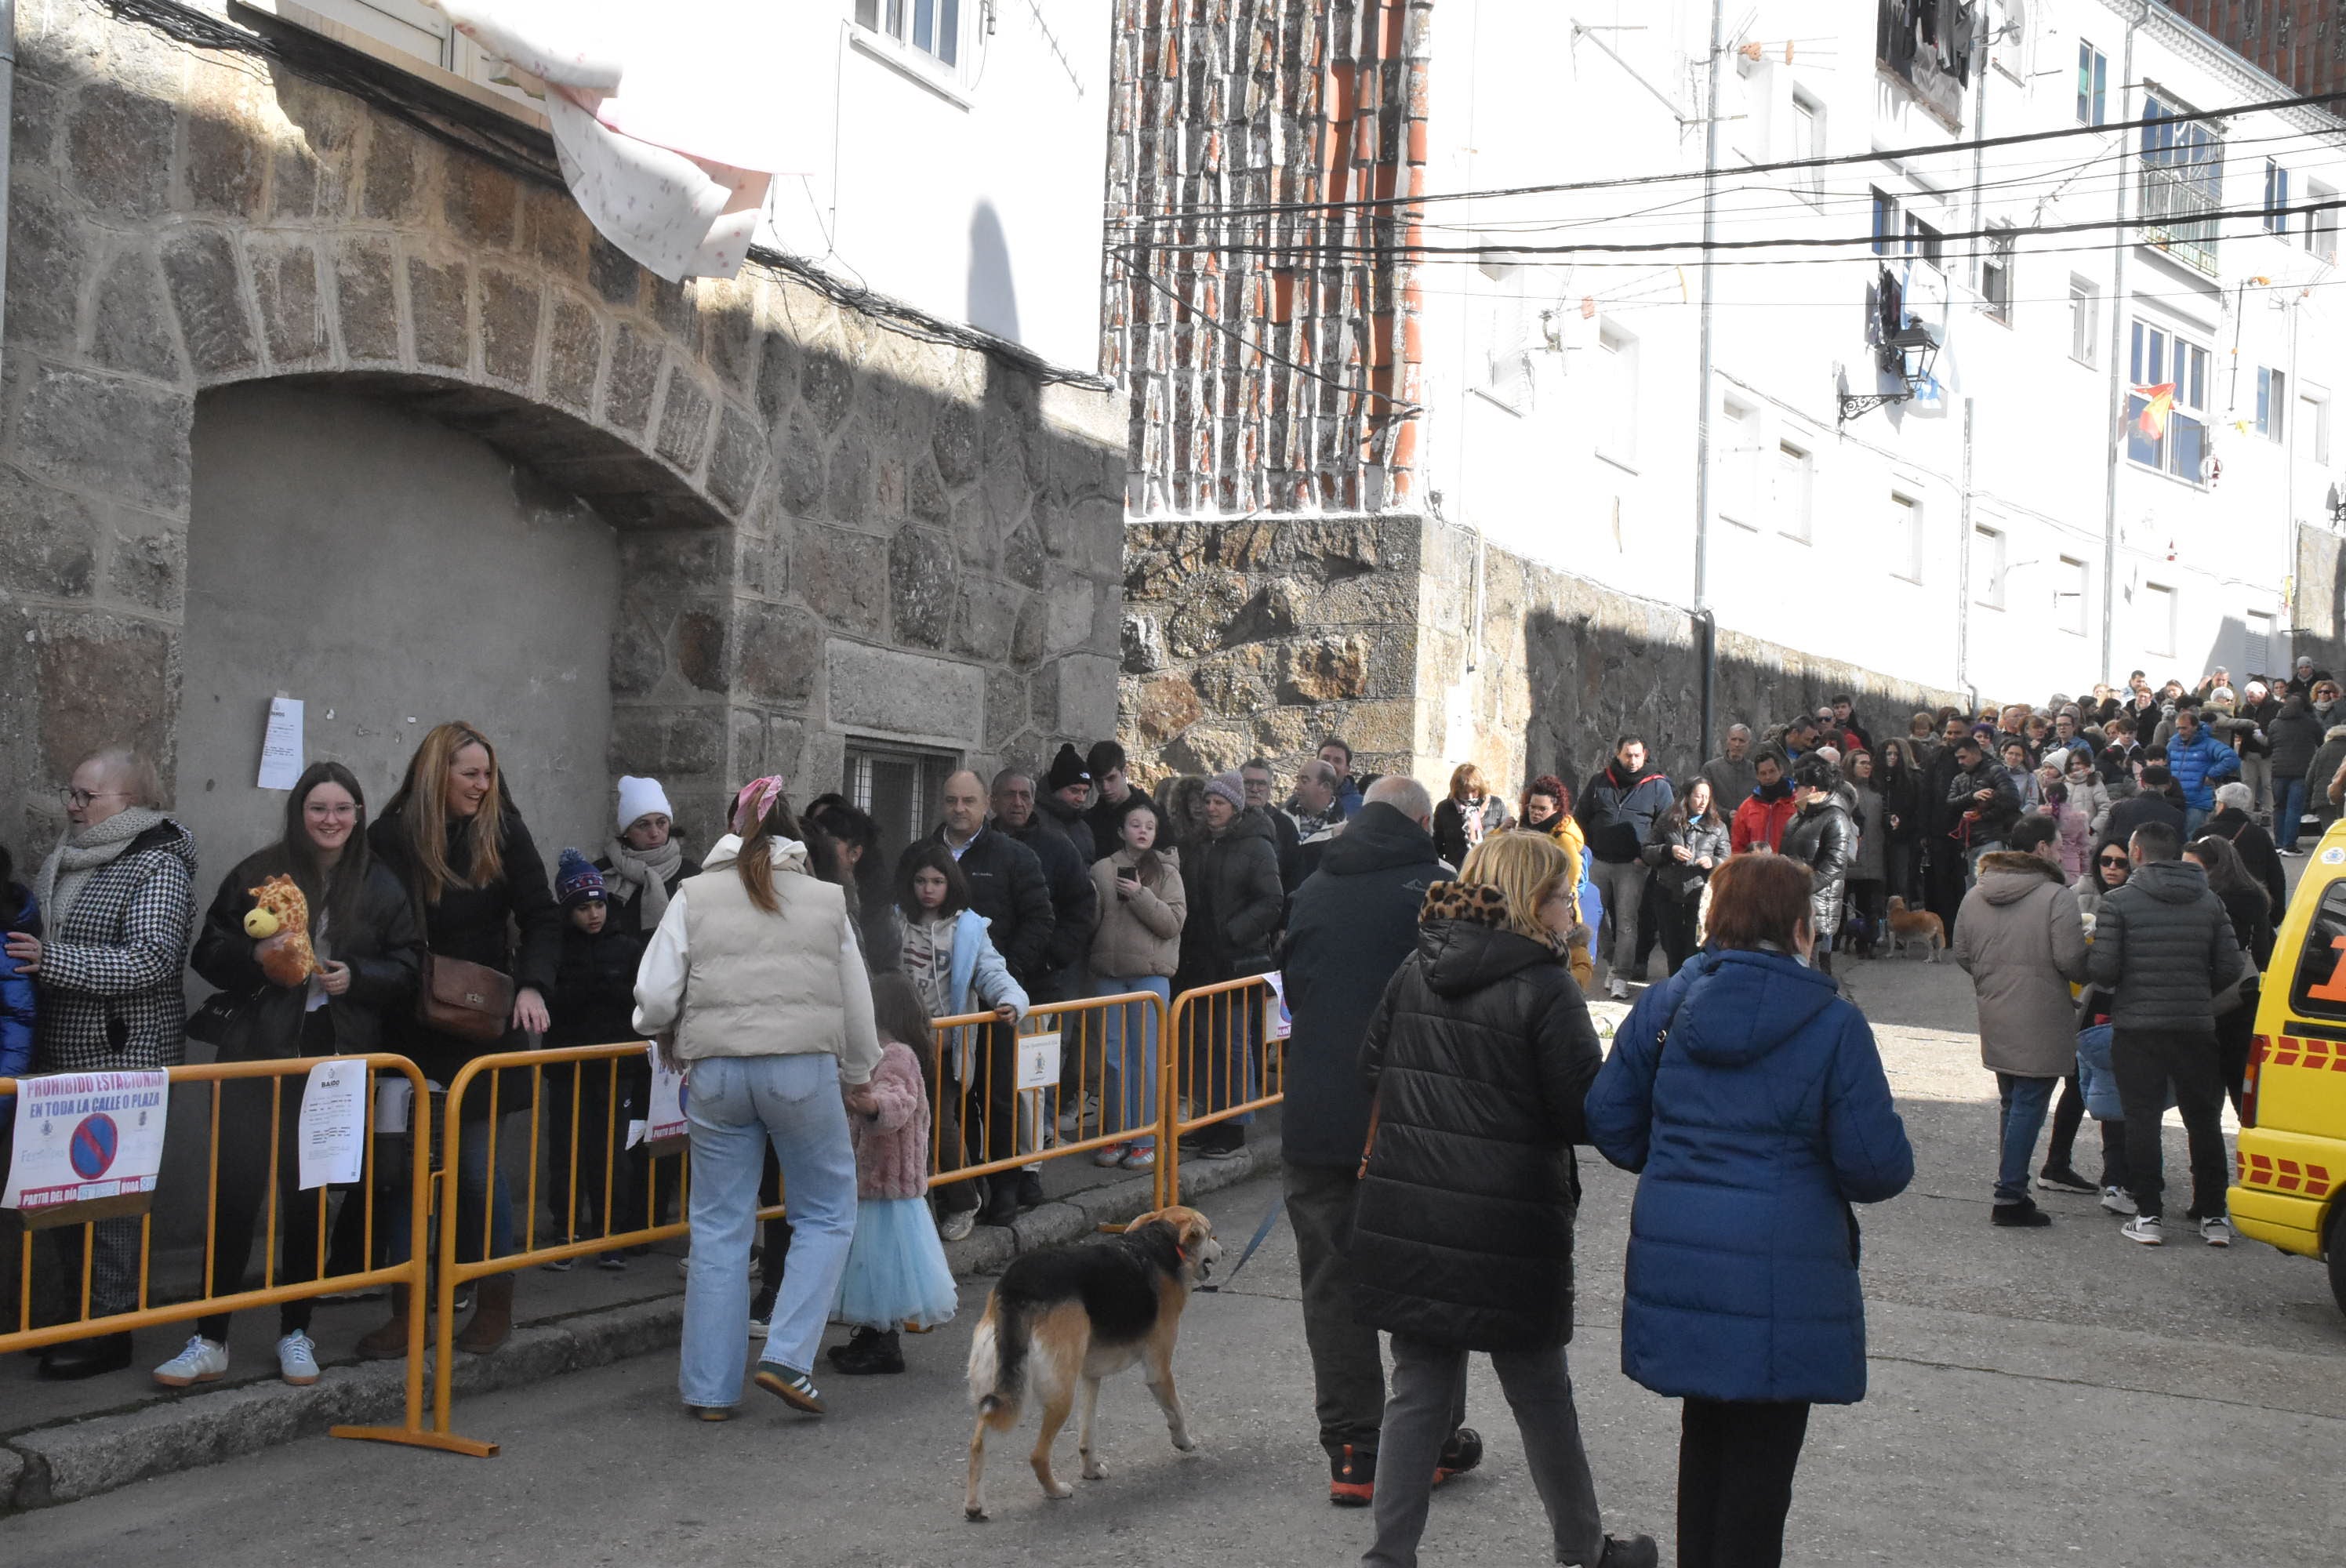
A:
(755, 986)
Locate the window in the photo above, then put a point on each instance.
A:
(1889, 232)
(2163, 360)
(2271, 400)
(2069, 597)
(1905, 537)
(2155, 605)
(2259, 655)
(1808, 129)
(2085, 321)
(1506, 342)
(931, 26)
(1737, 445)
(902, 788)
(402, 32)
(1924, 240)
(2182, 180)
(2093, 86)
(1988, 567)
(2318, 990)
(1617, 387)
(2276, 198)
(1795, 473)
(2313, 427)
(2319, 226)
(1996, 274)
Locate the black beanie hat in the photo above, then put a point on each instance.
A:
(1066, 768)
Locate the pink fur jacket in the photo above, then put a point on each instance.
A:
(889, 1120)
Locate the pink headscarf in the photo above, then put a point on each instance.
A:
(756, 799)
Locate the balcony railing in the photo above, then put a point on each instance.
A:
(2177, 203)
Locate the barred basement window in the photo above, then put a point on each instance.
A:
(901, 786)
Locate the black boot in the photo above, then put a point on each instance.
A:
(869, 1352)
(91, 1358)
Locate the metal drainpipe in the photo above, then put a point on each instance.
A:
(1702, 383)
(2119, 377)
(7, 118)
(1963, 574)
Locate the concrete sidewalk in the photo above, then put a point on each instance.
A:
(64, 1441)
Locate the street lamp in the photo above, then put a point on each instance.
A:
(1909, 353)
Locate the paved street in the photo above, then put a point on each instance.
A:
(2049, 1397)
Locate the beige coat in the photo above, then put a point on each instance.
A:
(2019, 935)
(1140, 936)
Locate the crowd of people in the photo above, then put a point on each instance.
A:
(2128, 843)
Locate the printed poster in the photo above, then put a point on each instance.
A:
(88, 1146)
(333, 1122)
(1038, 1061)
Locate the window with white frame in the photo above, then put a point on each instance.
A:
(901, 786)
(1905, 534)
(1795, 481)
(1889, 225)
(1736, 446)
(2259, 655)
(2272, 401)
(2093, 86)
(1925, 241)
(1996, 274)
(2084, 321)
(2312, 426)
(931, 28)
(2276, 198)
(1807, 141)
(2318, 224)
(2155, 614)
(1506, 337)
(2069, 597)
(2169, 375)
(1617, 388)
(405, 28)
(1987, 567)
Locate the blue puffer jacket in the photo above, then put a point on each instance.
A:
(1756, 1122)
(2200, 765)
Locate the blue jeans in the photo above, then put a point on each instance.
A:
(2291, 794)
(471, 1182)
(2194, 819)
(736, 1105)
(2024, 1101)
(1128, 1071)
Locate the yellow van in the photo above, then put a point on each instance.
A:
(2290, 1168)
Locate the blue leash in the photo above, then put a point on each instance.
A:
(1260, 1232)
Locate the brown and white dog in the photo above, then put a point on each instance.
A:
(1061, 1319)
(1916, 925)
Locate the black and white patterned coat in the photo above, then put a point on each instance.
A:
(110, 989)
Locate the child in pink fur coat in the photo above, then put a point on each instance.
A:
(896, 1272)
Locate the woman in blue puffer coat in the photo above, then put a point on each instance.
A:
(1750, 1098)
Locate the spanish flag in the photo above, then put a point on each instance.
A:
(2158, 402)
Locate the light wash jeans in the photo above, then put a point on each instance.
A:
(1129, 1069)
(735, 1105)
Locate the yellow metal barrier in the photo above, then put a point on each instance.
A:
(972, 1090)
(408, 1275)
(1222, 1063)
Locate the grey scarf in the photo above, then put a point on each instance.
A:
(647, 872)
(79, 854)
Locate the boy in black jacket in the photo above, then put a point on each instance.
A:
(593, 1003)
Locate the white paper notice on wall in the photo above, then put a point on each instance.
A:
(281, 748)
(1038, 1061)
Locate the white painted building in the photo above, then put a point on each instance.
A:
(1998, 531)
(945, 153)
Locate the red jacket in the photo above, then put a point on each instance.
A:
(1759, 824)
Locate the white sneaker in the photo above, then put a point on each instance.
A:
(297, 1359)
(2145, 1228)
(955, 1225)
(760, 1327)
(202, 1361)
(2216, 1230)
(1077, 1113)
(1109, 1156)
(1618, 989)
(2116, 1200)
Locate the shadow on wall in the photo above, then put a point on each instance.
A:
(993, 291)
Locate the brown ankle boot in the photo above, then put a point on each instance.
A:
(492, 1321)
(388, 1343)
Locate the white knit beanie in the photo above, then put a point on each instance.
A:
(641, 798)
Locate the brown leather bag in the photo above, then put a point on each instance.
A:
(470, 1000)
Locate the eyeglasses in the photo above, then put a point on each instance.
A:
(79, 799)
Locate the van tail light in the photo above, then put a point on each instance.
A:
(2258, 1048)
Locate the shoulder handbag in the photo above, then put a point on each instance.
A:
(470, 1000)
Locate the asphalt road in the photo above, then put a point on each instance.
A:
(2059, 1396)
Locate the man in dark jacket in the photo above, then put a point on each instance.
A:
(1111, 788)
(1075, 901)
(2152, 804)
(1256, 775)
(1616, 812)
(1008, 887)
(1943, 878)
(1351, 926)
(2296, 735)
(1065, 798)
(2163, 948)
(1985, 802)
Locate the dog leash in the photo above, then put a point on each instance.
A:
(1260, 1232)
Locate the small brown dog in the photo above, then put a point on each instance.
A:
(1919, 924)
(1061, 1319)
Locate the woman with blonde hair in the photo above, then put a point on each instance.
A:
(458, 846)
(1467, 814)
(1478, 1058)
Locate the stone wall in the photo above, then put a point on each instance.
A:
(1268, 636)
(2317, 600)
(829, 527)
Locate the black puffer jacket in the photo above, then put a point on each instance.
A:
(2163, 946)
(1479, 1056)
(381, 946)
(1821, 838)
(1353, 923)
(1236, 901)
(1703, 837)
(1074, 903)
(2296, 735)
(1995, 818)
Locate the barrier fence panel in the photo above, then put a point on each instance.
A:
(1228, 1060)
(250, 1162)
(1069, 1079)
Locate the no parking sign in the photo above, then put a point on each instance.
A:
(88, 1146)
